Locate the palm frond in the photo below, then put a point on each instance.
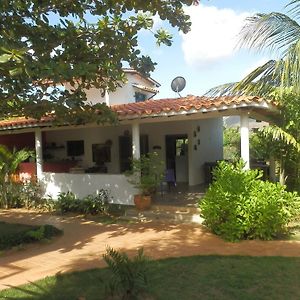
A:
(294, 8)
(290, 70)
(260, 82)
(221, 90)
(278, 134)
(129, 276)
(10, 160)
(274, 31)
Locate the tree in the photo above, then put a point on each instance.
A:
(9, 163)
(231, 144)
(44, 44)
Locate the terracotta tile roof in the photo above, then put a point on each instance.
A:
(184, 104)
(150, 108)
(24, 122)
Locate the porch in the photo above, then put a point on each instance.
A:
(85, 159)
(186, 133)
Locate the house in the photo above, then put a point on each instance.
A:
(186, 132)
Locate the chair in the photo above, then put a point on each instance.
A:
(170, 178)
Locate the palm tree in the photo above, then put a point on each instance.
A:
(279, 33)
(9, 163)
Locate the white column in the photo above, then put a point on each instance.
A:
(38, 153)
(136, 141)
(245, 145)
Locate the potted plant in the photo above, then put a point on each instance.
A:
(146, 175)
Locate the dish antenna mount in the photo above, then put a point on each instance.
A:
(178, 84)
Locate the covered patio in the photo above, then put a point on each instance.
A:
(185, 132)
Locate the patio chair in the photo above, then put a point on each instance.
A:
(167, 182)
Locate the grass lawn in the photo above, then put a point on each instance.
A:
(12, 235)
(197, 277)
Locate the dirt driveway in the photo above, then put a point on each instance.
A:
(84, 242)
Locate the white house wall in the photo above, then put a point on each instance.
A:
(123, 94)
(209, 150)
(127, 92)
(84, 184)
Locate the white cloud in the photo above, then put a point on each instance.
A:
(213, 35)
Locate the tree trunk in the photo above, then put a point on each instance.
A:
(282, 178)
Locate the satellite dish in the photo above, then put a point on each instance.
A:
(178, 84)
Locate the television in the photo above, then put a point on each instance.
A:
(75, 148)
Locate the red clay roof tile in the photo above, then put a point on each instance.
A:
(180, 104)
(150, 107)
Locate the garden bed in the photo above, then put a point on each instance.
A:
(13, 235)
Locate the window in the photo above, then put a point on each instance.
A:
(75, 148)
(140, 97)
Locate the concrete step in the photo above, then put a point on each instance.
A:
(170, 213)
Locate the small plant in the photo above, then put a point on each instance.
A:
(238, 205)
(67, 202)
(129, 276)
(147, 173)
(91, 204)
(37, 235)
(30, 195)
(94, 204)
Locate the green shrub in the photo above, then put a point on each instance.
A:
(67, 202)
(129, 276)
(31, 196)
(91, 204)
(238, 205)
(26, 234)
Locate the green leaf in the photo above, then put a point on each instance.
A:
(4, 58)
(15, 72)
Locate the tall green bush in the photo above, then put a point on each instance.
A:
(238, 205)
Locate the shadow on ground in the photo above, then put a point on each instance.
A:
(84, 242)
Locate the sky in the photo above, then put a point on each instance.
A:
(208, 55)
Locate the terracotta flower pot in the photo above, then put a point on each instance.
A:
(142, 202)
